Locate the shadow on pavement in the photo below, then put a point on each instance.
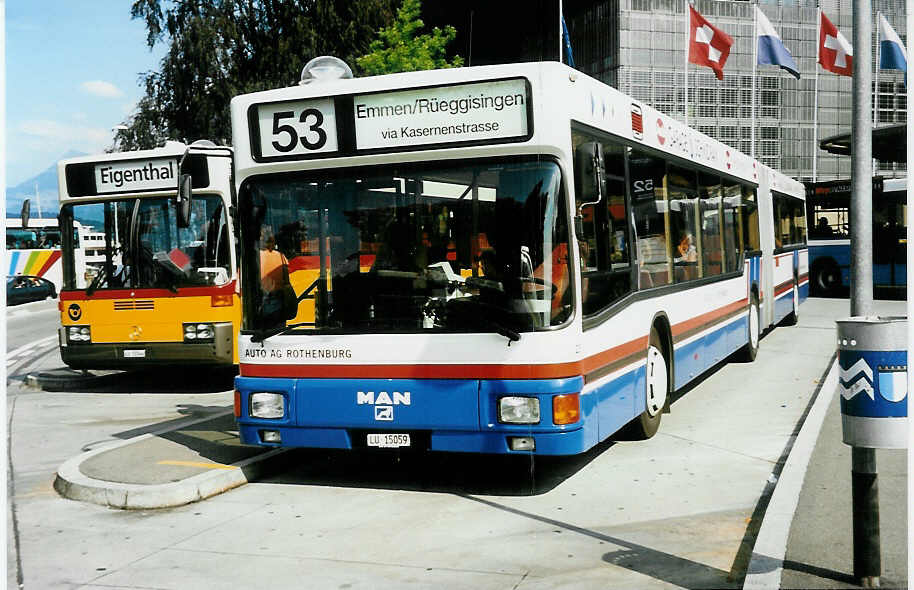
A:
(222, 419)
(821, 572)
(454, 473)
(666, 567)
(164, 380)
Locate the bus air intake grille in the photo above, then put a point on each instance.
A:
(132, 305)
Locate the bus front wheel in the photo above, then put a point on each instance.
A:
(656, 394)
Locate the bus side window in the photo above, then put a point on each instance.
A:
(684, 224)
(732, 228)
(604, 248)
(751, 241)
(712, 250)
(647, 181)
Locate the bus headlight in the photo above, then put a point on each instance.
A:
(266, 404)
(195, 332)
(79, 334)
(519, 410)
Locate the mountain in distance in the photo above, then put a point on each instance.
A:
(47, 190)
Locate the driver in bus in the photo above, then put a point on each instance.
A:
(274, 280)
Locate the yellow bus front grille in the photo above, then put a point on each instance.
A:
(147, 304)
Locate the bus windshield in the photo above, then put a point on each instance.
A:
(144, 248)
(456, 247)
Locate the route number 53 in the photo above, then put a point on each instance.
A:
(297, 128)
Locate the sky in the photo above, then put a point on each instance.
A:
(72, 74)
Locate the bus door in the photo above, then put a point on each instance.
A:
(889, 240)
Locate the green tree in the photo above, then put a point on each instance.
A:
(400, 47)
(218, 49)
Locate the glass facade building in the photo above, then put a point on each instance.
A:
(639, 46)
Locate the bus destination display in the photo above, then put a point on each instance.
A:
(491, 111)
(447, 114)
(136, 175)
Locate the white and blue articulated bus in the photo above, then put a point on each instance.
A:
(501, 259)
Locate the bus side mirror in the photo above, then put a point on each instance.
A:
(24, 213)
(589, 180)
(590, 173)
(182, 201)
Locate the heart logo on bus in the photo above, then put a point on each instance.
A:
(660, 137)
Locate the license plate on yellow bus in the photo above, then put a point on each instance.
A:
(388, 440)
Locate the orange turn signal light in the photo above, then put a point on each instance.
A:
(220, 300)
(237, 404)
(566, 408)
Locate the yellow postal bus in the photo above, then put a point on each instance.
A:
(165, 291)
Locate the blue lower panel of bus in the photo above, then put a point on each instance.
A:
(699, 355)
(438, 414)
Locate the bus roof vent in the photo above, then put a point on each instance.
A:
(323, 68)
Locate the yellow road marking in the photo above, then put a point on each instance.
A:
(197, 464)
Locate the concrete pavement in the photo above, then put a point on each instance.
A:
(191, 460)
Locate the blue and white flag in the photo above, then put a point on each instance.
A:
(891, 49)
(771, 50)
(568, 55)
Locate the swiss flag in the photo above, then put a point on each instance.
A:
(835, 53)
(708, 45)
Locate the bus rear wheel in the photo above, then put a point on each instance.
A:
(750, 350)
(826, 278)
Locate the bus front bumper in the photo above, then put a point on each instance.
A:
(134, 355)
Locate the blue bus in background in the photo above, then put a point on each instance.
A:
(828, 212)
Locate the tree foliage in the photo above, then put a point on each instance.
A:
(218, 49)
(401, 48)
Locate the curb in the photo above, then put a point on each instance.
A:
(767, 562)
(71, 483)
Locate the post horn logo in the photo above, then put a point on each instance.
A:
(74, 312)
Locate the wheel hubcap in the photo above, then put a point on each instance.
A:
(656, 381)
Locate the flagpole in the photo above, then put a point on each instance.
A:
(815, 108)
(561, 33)
(688, 41)
(876, 85)
(755, 9)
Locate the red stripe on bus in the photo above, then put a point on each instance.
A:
(585, 366)
(783, 287)
(80, 295)
(475, 371)
(54, 257)
(708, 318)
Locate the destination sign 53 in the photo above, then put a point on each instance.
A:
(136, 175)
(446, 114)
(297, 128)
(492, 111)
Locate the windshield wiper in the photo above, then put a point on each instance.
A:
(173, 271)
(262, 335)
(471, 310)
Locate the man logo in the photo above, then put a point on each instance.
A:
(74, 312)
(385, 413)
